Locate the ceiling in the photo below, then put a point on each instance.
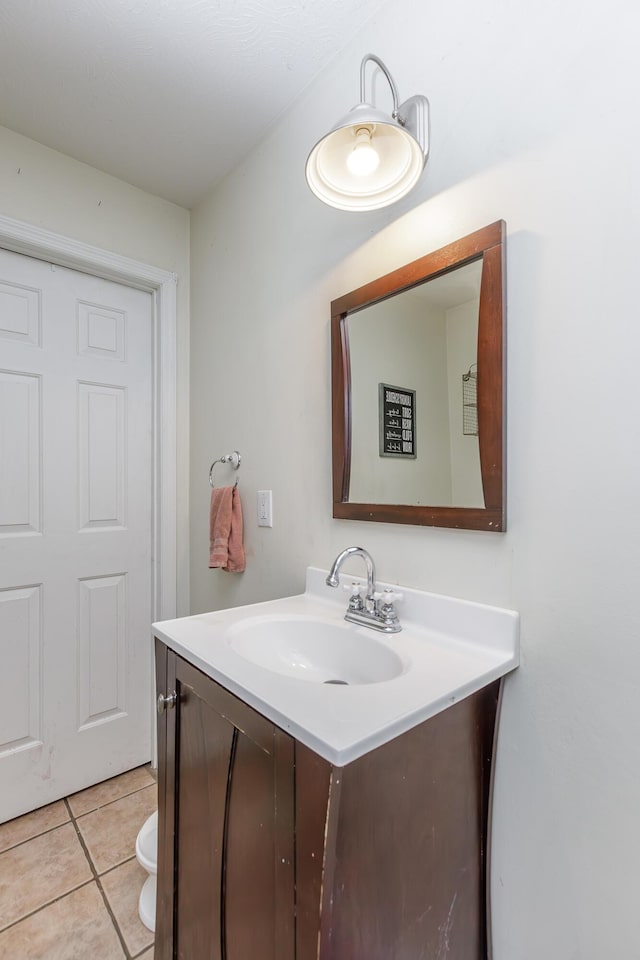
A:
(165, 94)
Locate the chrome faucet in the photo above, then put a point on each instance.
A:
(376, 610)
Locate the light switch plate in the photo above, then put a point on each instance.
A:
(265, 508)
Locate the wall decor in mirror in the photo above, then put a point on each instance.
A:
(436, 327)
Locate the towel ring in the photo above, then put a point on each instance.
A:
(233, 458)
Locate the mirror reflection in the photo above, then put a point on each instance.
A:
(419, 350)
(417, 372)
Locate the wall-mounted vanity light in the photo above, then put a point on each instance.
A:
(370, 158)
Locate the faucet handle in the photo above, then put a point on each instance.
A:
(355, 589)
(388, 596)
(355, 600)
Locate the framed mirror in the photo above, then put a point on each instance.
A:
(418, 390)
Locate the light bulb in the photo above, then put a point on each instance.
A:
(364, 158)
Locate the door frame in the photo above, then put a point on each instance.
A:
(20, 237)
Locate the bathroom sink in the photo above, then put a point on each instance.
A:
(340, 688)
(314, 649)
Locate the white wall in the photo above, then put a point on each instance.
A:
(401, 342)
(42, 187)
(462, 349)
(534, 121)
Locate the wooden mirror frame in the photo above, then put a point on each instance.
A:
(487, 244)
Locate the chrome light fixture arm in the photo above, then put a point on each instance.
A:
(394, 90)
(413, 113)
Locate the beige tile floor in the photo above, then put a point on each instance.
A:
(69, 880)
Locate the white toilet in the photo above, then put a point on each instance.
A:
(147, 857)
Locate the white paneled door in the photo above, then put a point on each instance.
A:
(75, 530)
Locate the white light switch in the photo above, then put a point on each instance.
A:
(265, 515)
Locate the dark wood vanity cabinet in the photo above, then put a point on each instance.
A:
(226, 825)
(269, 852)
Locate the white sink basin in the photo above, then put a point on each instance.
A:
(280, 656)
(314, 649)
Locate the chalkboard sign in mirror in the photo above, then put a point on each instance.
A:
(397, 416)
(426, 324)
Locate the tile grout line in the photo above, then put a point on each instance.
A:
(14, 846)
(98, 884)
(144, 950)
(85, 813)
(72, 819)
(44, 906)
(61, 896)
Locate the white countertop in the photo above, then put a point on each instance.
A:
(449, 648)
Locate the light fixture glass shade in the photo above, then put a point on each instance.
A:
(401, 162)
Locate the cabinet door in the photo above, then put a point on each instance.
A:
(225, 879)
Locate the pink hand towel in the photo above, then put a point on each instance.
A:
(225, 530)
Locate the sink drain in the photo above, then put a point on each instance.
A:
(344, 683)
